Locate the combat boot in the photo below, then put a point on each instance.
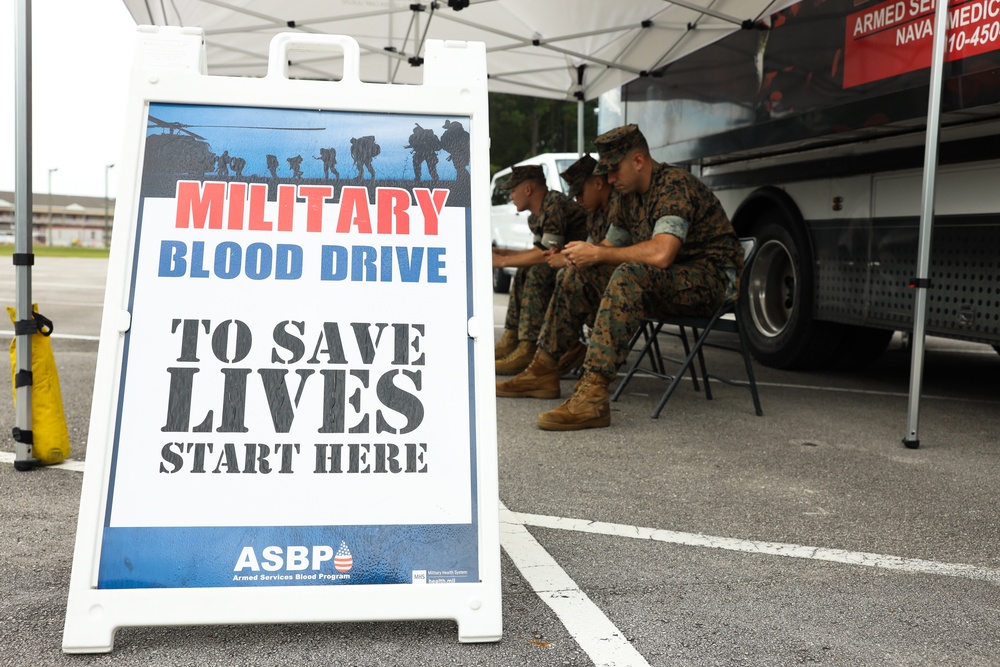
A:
(518, 360)
(507, 344)
(572, 357)
(539, 380)
(588, 407)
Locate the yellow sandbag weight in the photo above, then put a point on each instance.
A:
(48, 421)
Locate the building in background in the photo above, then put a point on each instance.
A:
(62, 220)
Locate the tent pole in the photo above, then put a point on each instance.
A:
(581, 103)
(23, 256)
(921, 282)
(388, 60)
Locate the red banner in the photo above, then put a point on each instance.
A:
(896, 36)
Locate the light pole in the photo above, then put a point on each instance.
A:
(48, 229)
(107, 221)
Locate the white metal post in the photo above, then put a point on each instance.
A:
(581, 103)
(23, 257)
(921, 282)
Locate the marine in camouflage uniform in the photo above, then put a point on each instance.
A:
(555, 220)
(582, 187)
(691, 270)
(595, 194)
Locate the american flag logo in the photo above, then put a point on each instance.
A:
(343, 561)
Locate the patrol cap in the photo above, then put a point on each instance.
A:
(613, 145)
(578, 173)
(527, 172)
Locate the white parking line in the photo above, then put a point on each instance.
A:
(511, 520)
(71, 465)
(914, 565)
(599, 638)
(49, 302)
(36, 284)
(60, 335)
(848, 390)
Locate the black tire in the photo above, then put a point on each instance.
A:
(776, 298)
(501, 281)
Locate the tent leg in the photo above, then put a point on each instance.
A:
(23, 257)
(921, 282)
(581, 104)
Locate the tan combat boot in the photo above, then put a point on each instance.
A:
(507, 344)
(572, 357)
(518, 360)
(588, 407)
(539, 380)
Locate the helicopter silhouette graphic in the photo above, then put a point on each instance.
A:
(177, 150)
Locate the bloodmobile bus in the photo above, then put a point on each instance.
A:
(810, 128)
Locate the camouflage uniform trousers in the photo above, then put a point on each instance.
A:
(633, 290)
(529, 298)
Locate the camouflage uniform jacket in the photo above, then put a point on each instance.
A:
(678, 203)
(599, 221)
(560, 220)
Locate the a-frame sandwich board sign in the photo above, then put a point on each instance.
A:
(293, 416)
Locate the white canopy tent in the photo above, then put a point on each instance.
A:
(557, 49)
(533, 48)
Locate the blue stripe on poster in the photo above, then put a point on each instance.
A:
(288, 556)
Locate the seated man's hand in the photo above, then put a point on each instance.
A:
(581, 254)
(555, 259)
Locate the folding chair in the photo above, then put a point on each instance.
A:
(649, 331)
(725, 319)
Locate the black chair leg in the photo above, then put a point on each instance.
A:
(688, 361)
(687, 351)
(751, 379)
(648, 331)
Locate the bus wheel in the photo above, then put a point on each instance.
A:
(776, 299)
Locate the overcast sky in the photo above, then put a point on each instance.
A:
(81, 57)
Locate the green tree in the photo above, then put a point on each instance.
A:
(522, 126)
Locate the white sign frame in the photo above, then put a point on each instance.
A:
(170, 70)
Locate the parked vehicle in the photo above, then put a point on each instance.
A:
(811, 131)
(509, 229)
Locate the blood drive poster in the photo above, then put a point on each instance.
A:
(296, 401)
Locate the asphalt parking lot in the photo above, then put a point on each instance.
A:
(707, 537)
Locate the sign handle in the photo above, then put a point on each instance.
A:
(282, 43)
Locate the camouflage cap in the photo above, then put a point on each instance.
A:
(578, 173)
(612, 146)
(525, 172)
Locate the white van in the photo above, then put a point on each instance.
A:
(508, 228)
